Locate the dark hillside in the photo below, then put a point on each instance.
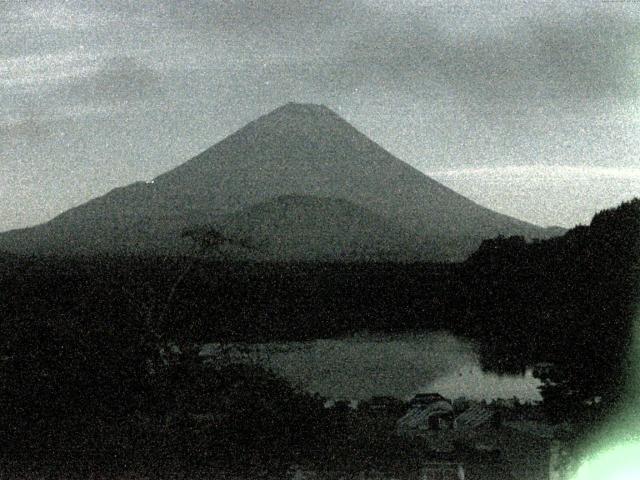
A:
(570, 300)
(99, 366)
(234, 301)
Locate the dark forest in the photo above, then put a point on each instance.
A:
(99, 355)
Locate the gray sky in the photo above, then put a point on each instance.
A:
(530, 108)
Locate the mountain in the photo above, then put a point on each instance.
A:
(306, 228)
(298, 149)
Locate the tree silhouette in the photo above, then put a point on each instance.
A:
(569, 300)
(206, 240)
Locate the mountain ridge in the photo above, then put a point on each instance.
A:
(296, 149)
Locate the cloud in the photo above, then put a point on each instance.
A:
(59, 15)
(118, 79)
(545, 194)
(541, 60)
(515, 53)
(440, 84)
(96, 88)
(566, 172)
(28, 128)
(45, 69)
(35, 126)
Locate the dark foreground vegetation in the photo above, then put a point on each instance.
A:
(99, 367)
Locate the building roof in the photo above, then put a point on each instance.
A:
(418, 415)
(473, 417)
(426, 398)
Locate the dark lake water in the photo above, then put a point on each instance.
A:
(362, 366)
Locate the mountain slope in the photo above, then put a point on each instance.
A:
(307, 228)
(297, 149)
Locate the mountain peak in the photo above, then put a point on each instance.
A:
(298, 111)
(304, 108)
(297, 149)
(293, 128)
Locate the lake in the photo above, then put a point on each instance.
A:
(361, 366)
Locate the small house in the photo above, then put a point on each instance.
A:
(427, 412)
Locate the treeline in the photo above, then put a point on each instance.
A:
(570, 301)
(99, 365)
(79, 404)
(218, 301)
(99, 369)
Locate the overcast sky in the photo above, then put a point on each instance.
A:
(530, 108)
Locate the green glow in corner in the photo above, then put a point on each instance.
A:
(620, 463)
(617, 454)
